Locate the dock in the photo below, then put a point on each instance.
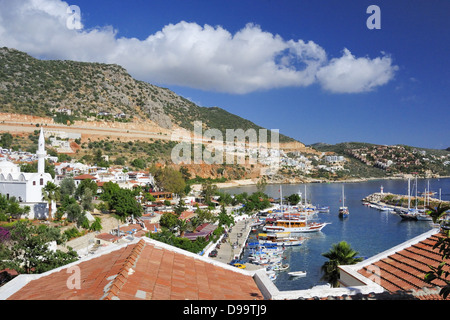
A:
(233, 247)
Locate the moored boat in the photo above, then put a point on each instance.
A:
(424, 217)
(323, 209)
(297, 273)
(280, 267)
(343, 210)
(279, 239)
(294, 226)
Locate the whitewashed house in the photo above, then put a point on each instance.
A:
(27, 187)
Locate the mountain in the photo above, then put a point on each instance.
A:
(69, 91)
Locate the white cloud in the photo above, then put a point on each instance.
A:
(187, 54)
(351, 75)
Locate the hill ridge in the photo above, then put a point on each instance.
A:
(87, 91)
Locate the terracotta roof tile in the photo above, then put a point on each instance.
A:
(405, 269)
(144, 270)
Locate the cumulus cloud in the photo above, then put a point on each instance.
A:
(187, 54)
(350, 75)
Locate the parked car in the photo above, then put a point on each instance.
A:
(213, 253)
(237, 261)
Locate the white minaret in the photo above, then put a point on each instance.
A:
(41, 152)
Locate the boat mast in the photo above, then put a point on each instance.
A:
(416, 192)
(409, 194)
(281, 199)
(305, 196)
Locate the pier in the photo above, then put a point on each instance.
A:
(397, 201)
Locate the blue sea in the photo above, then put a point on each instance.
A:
(367, 230)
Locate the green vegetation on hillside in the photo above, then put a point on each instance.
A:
(68, 91)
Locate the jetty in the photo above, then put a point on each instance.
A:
(398, 201)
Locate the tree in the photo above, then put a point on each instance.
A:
(109, 189)
(171, 180)
(6, 140)
(208, 191)
(74, 213)
(293, 199)
(86, 200)
(225, 198)
(169, 221)
(340, 254)
(96, 225)
(261, 184)
(180, 207)
(182, 227)
(67, 186)
(138, 163)
(26, 249)
(122, 201)
(205, 216)
(11, 208)
(224, 218)
(50, 193)
(441, 272)
(436, 213)
(86, 184)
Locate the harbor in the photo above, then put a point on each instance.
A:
(369, 231)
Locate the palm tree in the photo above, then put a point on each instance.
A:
(339, 254)
(436, 213)
(51, 192)
(182, 227)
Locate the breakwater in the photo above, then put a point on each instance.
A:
(401, 201)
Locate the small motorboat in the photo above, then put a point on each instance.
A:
(297, 273)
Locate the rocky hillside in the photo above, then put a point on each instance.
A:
(71, 91)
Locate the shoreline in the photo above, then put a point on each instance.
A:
(251, 182)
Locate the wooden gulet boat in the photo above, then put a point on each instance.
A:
(294, 226)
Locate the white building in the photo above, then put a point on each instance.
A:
(27, 187)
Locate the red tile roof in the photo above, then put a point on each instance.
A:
(85, 177)
(107, 237)
(143, 270)
(405, 270)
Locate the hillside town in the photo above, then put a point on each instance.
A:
(398, 159)
(102, 209)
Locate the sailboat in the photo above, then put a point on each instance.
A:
(423, 216)
(410, 214)
(343, 211)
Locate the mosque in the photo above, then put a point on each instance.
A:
(27, 187)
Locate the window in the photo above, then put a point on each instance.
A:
(42, 182)
(34, 183)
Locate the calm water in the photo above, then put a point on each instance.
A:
(367, 230)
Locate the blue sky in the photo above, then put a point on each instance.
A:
(276, 63)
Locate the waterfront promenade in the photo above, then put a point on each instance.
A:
(234, 245)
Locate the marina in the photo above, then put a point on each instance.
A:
(369, 230)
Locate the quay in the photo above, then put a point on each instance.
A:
(235, 243)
